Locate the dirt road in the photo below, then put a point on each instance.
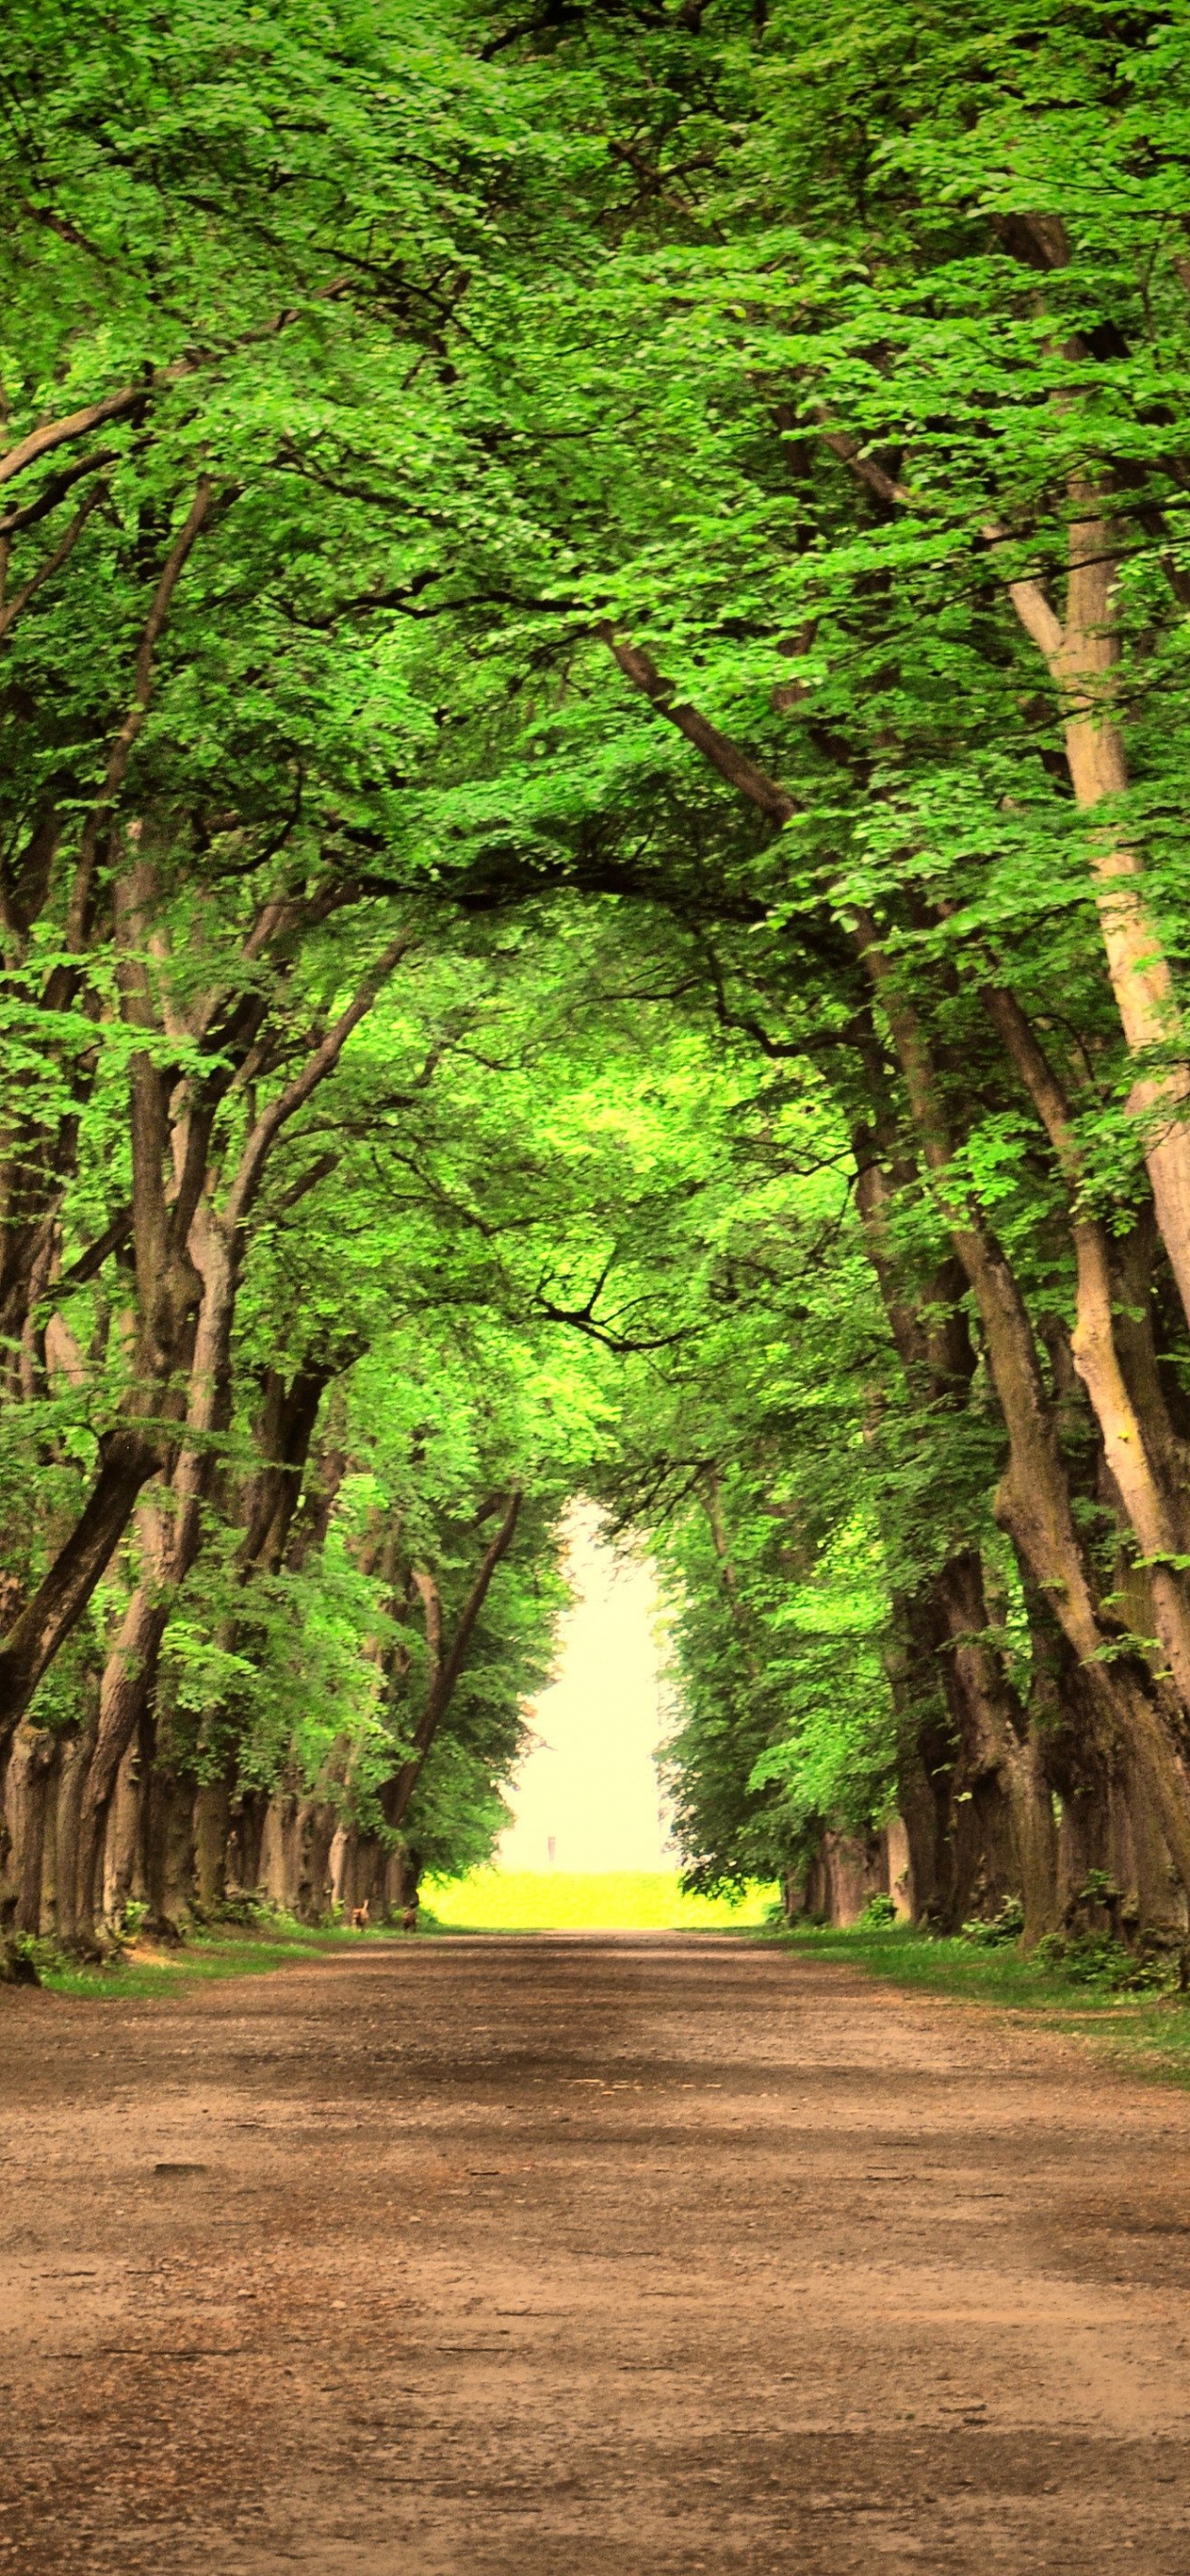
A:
(583, 2257)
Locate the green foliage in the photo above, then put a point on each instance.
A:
(1100, 1961)
(1005, 1925)
(729, 342)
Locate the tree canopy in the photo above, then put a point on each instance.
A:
(594, 900)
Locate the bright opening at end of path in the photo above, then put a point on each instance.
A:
(589, 1844)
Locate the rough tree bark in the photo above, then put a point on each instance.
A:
(171, 1521)
(1033, 1503)
(1082, 653)
(130, 1453)
(1155, 1507)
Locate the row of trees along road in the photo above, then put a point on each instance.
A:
(594, 899)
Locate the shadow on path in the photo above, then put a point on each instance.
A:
(594, 2255)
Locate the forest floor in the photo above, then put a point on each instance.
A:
(603, 2255)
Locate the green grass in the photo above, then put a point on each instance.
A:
(232, 1950)
(1151, 2032)
(493, 1900)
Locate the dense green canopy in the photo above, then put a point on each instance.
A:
(594, 900)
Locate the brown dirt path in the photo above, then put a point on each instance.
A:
(596, 2256)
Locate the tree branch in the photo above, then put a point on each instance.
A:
(120, 752)
(52, 564)
(90, 1262)
(315, 1070)
(55, 490)
(865, 468)
(58, 433)
(718, 748)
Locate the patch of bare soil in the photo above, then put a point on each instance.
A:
(602, 2256)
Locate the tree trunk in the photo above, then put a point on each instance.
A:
(898, 1868)
(31, 1769)
(1035, 1842)
(446, 1663)
(42, 1626)
(245, 1845)
(280, 1850)
(926, 1752)
(1083, 656)
(124, 1870)
(212, 1827)
(402, 1878)
(169, 1850)
(319, 1822)
(957, 1798)
(72, 1781)
(1034, 1500)
(127, 1679)
(1137, 1443)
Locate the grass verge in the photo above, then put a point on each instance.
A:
(220, 1950)
(1150, 2033)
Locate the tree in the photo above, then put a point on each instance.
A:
(699, 545)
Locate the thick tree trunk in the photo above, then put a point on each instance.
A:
(1083, 654)
(1036, 1833)
(340, 1863)
(960, 1797)
(28, 1789)
(212, 1828)
(170, 1535)
(246, 1839)
(1137, 1443)
(127, 1679)
(926, 1835)
(990, 1726)
(1034, 1500)
(280, 1850)
(926, 1752)
(319, 1823)
(898, 1865)
(72, 1782)
(358, 1870)
(169, 1850)
(33, 1640)
(403, 1877)
(124, 1869)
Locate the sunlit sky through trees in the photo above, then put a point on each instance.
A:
(591, 1784)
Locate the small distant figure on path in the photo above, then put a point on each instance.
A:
(359, 1917)
(409, 1919)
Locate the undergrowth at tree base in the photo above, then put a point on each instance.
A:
(1088, 1985)
(234, 1943)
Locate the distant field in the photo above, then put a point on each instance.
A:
(492, 1900)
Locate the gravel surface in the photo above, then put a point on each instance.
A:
(563, 2255)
